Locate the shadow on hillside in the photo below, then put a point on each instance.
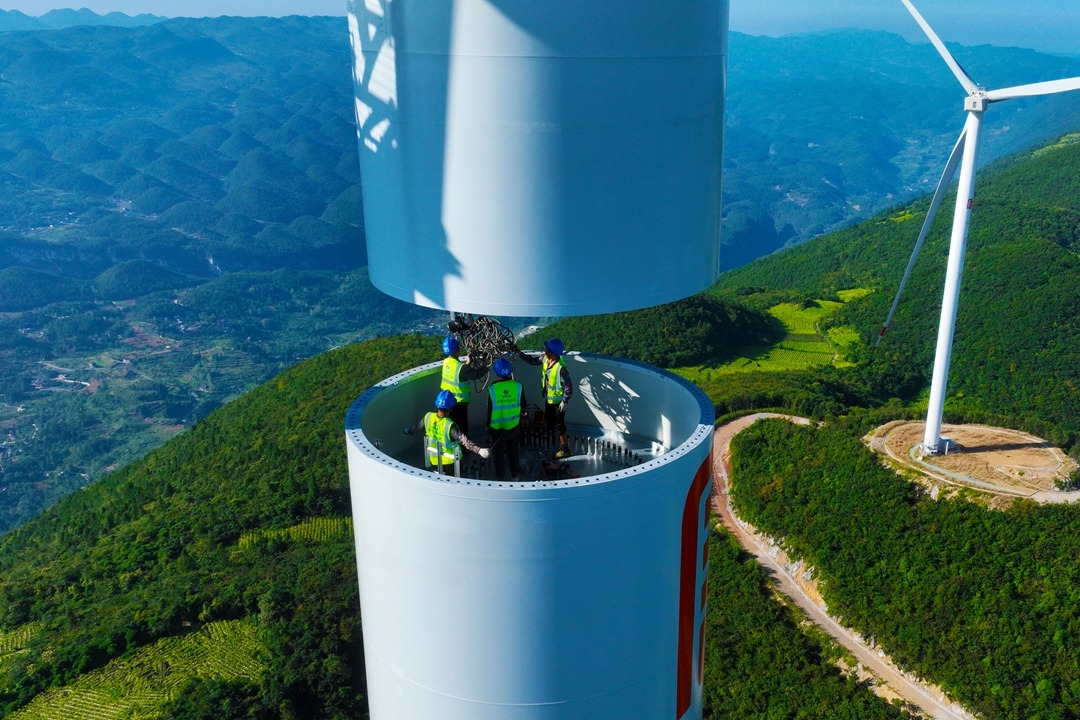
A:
(999, 447)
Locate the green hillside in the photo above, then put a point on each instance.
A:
(225, 558)
(985, 603)
(238, 529)
(136, 278)
(697, 330)
(982, 602)
(180, 220)
(197, 533)
(241, 524)
(1017, 346)
(22, 289)
(215, 577)
(144, 162)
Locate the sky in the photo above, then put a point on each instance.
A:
(1045, 25)
(184, 8)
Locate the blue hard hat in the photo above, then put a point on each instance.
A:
(449, 345)
(554, 346)
(445, 400)
(503, 368)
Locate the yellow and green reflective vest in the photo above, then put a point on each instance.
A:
(505, 404)
(552, 382)
(437, 440)
(451, 379)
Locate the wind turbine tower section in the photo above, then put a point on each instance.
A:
(556, 158)
(538, 159)
(559, 599)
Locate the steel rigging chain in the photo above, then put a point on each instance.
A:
(482, 338)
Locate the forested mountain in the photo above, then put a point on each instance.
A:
(180, 212)
(203, 145)
(198, 532)
(219, 144)
(1017, 345)
(180, 220)
(66, 17)
(241, 523)
(986, 603)
(983, 602)
(233, 538)
(696, 331)
(827, 128)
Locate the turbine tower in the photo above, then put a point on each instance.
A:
(965, 155)
(523, 158)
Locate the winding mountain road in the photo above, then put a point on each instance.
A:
(931, 702)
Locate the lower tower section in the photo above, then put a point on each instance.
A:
(574, 598)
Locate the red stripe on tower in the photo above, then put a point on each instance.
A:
(688, 590)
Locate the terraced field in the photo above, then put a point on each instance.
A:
(310, 530)
(139, 687)
(804, 346)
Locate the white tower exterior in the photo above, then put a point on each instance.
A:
(527, 158)
(581, 598)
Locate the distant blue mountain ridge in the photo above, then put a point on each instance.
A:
(56, 19)
(1049, 26)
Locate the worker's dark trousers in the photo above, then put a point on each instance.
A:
(460, 415)
(554, 423)
(504, 446)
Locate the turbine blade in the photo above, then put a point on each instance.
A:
(958, 71)
(939, 195)
(1039, 88)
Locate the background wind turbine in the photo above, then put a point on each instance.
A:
(965, 154)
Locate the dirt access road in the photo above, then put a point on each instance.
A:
(931, 701)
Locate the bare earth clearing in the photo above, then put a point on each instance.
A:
(1002, 462)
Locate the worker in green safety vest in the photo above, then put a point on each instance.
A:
(506, 402)
(443, 439)
(557, 389)
(457, 375)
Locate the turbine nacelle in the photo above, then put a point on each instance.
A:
(976, 103)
